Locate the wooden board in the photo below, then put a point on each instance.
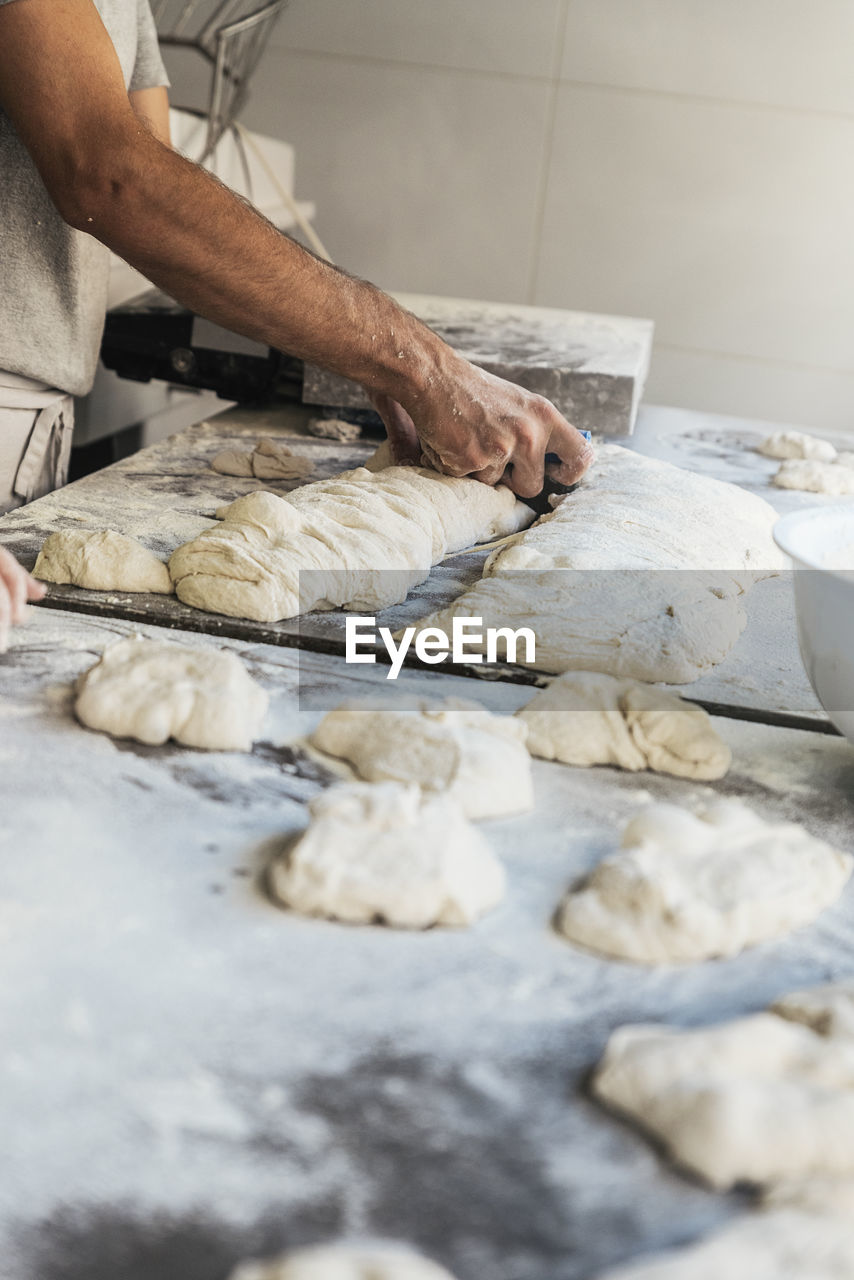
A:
(191, 1075)
(167, 494)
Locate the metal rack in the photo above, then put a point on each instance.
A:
(230, 36)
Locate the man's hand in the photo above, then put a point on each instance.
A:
(16, 588)
(471, 423)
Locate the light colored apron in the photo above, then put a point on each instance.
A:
(35, 448)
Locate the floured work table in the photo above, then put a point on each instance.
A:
(190, 1075)
(167, 494)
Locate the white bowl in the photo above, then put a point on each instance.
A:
(819, 542)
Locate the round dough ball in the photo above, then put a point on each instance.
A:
(453, 746)
(816, 477)
(796, 444)
(387, 853)
(152, 691)
(690, 886)
(754, 1100)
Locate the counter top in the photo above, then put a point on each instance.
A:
(167, 494)
(190, 1075)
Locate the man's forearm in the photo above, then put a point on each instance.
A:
(211, 251)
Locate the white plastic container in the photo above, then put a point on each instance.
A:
(820, 543)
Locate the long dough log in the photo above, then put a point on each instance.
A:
(636, 574)
(361, 540)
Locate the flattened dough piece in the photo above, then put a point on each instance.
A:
(234, 462)
(758, 1100)
(587, 718)
(687, 887)
(797, 444)
(453, 746)
(152, 691)
(275, 461)
(783, 1244)
(345, 1262)
(385, 852)
(594, 579)
(334, 429)
(101, 561)
(816, 477)
(269, 460)
(360, 540)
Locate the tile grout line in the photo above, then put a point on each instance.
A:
(546, 158)
(709, 100)
(595, 86)
(742, 358)
(410, 64)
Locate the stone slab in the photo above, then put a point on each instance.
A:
(592, 367)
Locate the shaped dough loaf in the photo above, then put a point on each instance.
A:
(101, 561)
(453, 746)
(269, 460)
(783, 1244)
(345, 1262)
(796, 444)
(595, 578)
(586, 718)
(816, 477)
(361, 540)
(152, 691)
(687, 887)
(386, 852)
(761, 1099)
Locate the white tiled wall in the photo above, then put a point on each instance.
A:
(689, 160)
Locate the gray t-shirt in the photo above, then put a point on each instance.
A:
(53, 279)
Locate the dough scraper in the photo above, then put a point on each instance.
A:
(541, 502)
